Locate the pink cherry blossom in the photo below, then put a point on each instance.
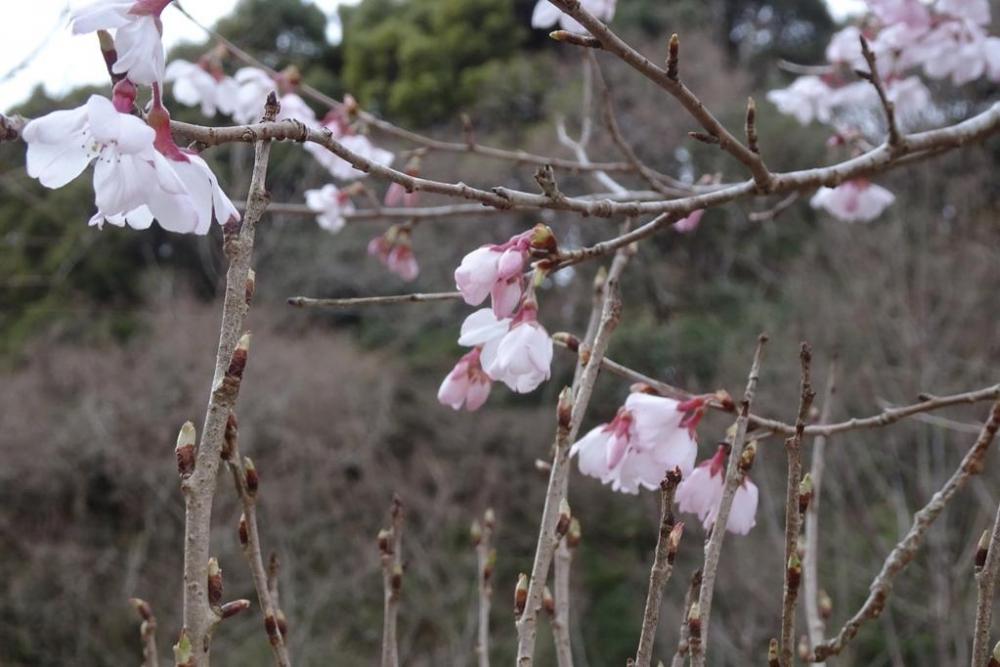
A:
(854, 201)
(196, 85)
(137, 37)
(522, 358)
(546, 15)
(690, 223)
(467, 384)
(254, 86)
(701, 493)
(484, 329)
(496, 271)
(331, 203)
(911, 13)
(845, 47)
(808, 98)
(394, 251)
(356, 143)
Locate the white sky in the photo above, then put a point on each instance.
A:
(64, 61)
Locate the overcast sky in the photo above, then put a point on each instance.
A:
(38, 46)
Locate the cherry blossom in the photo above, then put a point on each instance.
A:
(649, 436)
(467, 384)
(397, 195)
(690, 223)
(254, 86)
(857, 200)
(394, 251)
(483, 328)
(138, 33)
(129, 173)
(496, 271)
(199, 84)
(546, 15)
(808, 98)
(701, 492)
(523, 356)
(356, 143)
(331, 203)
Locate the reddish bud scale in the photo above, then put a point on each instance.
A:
(185, 460)
(772, 654)
(250, 477)
(396, 580)
(251, 286)
(230, 438)
(982, 550)
(489, 565)
(230, 609)
(385, 542)
(564, 410)
(142, 608)
(794, 572)
(674, 541)
(520, 594)
(237, 364)
(271, 627)
(574, 535)
(548, 602)
(282, 624)
(244, 531)
(214, 582)
(694, 621)
(565, 516)
(747, 457)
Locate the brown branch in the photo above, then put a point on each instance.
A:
(986, 584)
(147, 632)
(873, 77)
(561, 572)
(771, 427)
(684, 635)
(390, 542)
(906, 550)
(572, 407)
(810, 564)
(667, 542)
(670, 82)
(246, 481)
(307, 302)
(713, 548)
(486, 555)
(793, 514)
(199, 486)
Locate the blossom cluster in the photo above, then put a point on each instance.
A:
(945, 39)
(508, 342)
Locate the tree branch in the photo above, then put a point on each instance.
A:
(147, 632)
(486, 555)
(390, 544)
(307, 302)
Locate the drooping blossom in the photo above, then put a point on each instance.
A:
(857, 200)
(138, 32)
(546, 15)
(132, 180)
(523, 356)
(397, 195)
(808, 98)
(649, 436)
(467, 384)
(496, 270)
(962, 51)
(331, 203)
(483, 329)
(701, 493)
(393, 249)
(254, 86)
(845, 47)
(202, 84)
(690, 223)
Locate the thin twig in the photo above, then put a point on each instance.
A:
(246, 480)
(391, 546)
(810, 563)
(684, 634)
(906, 550)
(561, 620)
(713, 548)
(308, 302)
(199, 486)
(986, 579)
(667, 542)
(873, 77)
(793, 515)
(482, 538)
(147, 632)
(572, 407)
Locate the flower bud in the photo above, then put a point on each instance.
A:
(794, 573)
(396, 580)
(571, 342)
(142, 608)
(271, 628)
(282, 623)
(214, 582)
(548, 602)
(251, 286)
(520, 594)
(995, 656)
(230, 439)
(489, 565)
(694, 620)
(825, 604)
(805, 493)
(673, 56)
(674, 541)
(982, 550)
(183, 653)
(772, 653)
(244, 531)
(564, 410)
(230, 609)
(385, 541)
(724, 399)
(250, 476)
(747, 457)
(238, 362)
(543, 239)
(565, 516)
(574, 535)
(489, 518)
(476, 533)
(185, 450)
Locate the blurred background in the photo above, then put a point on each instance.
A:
(107, 339)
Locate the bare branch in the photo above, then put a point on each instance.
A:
(486, 555)
(873, 77)
(390, 542)
(906, 550)
(667, 542)
(986, 578)
(793, 514)
(307, 302)
(147, 632)
(713, 548)
(684, 635)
